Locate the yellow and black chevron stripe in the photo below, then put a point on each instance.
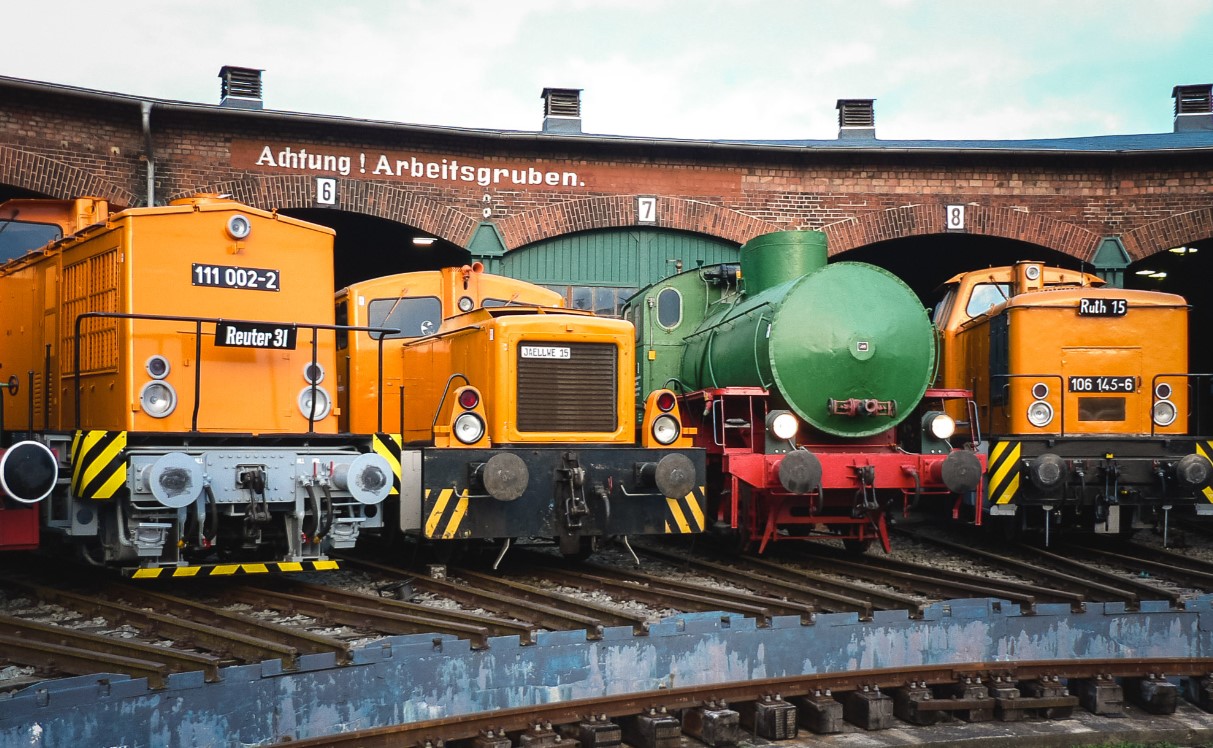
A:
(1205, 450)
(444, 519)
(686, 514)
(229, 570)
(1004, 471)
(388, 447)
(98, 464)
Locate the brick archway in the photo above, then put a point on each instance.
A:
(30, 171)
(919, 220)
(620, 210)
(374, 199)
(1172, 231)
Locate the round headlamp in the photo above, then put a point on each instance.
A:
(1040, 413)
(941, 425)
(158, 399)
(666, 429)
(239, 227)
(317, 398)
(157, 366)
(469, 428)
(782, 424)
(313, 373)
(466, 304)
(1164, 412)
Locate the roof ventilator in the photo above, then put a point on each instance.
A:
(1193, 107)
(562, 110)
(241, 88)
(856, 118)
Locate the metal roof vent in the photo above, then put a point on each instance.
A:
(1193, 107)
(562, 110)
(241, 88)
(856, 118)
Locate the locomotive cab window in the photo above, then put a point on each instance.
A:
(943, 308)
(986, 295)
(341, 316)
(414, 318)
(19, 237)
(669, 308)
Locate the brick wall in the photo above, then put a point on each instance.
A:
(67, 145)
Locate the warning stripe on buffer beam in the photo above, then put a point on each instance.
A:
(388, 447)
(229, 570)
(1004, 471)
(98, 464)
(1205, 450)
(686, 514)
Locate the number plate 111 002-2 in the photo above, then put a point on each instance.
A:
(1103, 384)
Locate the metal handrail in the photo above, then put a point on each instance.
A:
(198, 322)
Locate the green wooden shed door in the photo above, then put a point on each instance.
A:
(598, 269)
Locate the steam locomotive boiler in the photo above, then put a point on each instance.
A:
(807, 385)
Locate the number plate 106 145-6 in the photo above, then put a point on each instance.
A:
(1103, 384)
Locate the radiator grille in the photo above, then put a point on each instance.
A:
(568, 394)
(91, 286)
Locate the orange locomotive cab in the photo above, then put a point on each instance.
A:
(511, 416)
(1082, 392)
(179, 357)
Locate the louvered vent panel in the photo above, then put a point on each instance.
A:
(91, 286)
(562, 103)
(568, 394)
(1193, 99)
(242, 82)
(856, 114)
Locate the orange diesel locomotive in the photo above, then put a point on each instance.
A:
(177, 360)
(1082, 393)
(510, 416)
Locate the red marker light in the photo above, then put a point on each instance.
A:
(469, 399)
(665, 401)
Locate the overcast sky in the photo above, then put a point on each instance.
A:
(704, 69)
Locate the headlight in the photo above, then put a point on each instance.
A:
(469, 428)
(1164, 413)
(158, 399)
(782, 424)
(313, 373)
(239, 227)
(466, 304)
(323, 404)
(1040, 413)
(157, 367)
(941, 425)
(666, 429)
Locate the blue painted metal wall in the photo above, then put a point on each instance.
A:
(408, 678)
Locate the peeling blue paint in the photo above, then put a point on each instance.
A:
(418, 677)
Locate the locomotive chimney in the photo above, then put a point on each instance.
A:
(1193, 107)
(562, 110)
(856, 118)
(240, 87)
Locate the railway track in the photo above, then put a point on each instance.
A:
(286, 617)
(778, 708)
(152, 631)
